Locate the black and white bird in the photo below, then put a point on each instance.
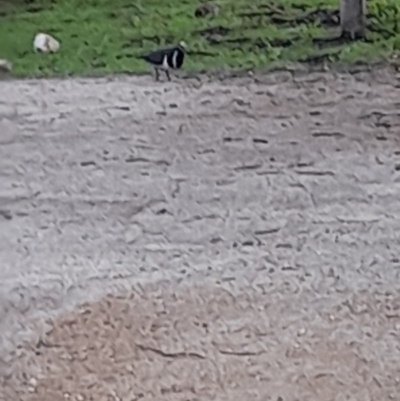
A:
(166, 59)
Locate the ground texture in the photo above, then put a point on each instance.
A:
(247, 233)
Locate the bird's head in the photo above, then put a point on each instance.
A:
(183, 45)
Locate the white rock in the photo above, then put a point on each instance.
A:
(45, 43)
(301, 332)
(32, 382)
(5, 65)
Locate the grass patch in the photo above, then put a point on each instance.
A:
(103, 36)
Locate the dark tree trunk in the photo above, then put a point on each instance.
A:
(353, 18)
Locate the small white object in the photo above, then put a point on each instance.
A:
(32, 382)
(45, 43)
(301, 332)
(5, 65)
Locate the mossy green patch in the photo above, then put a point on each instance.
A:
(103, 36)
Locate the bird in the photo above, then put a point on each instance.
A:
(166, 59)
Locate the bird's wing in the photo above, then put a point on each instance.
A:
(157, 56)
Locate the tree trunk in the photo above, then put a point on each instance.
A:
(353, 18)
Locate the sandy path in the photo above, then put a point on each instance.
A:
(285, 189)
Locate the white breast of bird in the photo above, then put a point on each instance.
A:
(165, 65)
(174, 57)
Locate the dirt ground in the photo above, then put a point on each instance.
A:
(185, 241)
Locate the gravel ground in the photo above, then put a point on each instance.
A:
(200, 240)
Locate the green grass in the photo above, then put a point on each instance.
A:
(108, 36)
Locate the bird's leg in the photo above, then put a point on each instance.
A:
(167, 74)
(157, 75)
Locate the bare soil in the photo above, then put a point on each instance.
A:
(200, 240)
